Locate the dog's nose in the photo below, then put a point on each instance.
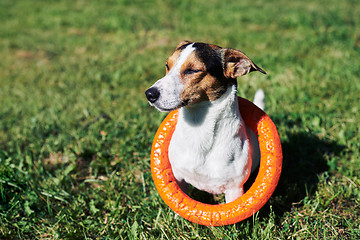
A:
(152, 94)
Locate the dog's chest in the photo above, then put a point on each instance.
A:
(212, 151)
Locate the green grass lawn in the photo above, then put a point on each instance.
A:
(76, 129)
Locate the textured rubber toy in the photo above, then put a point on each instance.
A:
(220, 214)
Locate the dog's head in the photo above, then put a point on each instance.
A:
(198, 72)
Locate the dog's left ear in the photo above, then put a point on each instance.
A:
(236, 63)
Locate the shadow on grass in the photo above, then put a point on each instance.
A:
(304, 158)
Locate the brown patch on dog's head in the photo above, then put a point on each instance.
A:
(202, 75)
(209, 70)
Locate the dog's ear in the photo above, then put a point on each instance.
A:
(182, 45)
(236, 63)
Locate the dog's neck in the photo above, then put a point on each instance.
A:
(224, 107)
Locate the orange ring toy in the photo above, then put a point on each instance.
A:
(243, 207)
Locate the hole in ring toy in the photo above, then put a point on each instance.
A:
(243, 207)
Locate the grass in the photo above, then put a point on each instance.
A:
(76, 129)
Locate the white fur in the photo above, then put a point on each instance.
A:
(211, 147)
(259, 99)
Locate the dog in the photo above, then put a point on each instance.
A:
(211, 147)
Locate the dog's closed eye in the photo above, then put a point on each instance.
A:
(191, 71)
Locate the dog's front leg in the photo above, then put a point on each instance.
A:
(233, 194)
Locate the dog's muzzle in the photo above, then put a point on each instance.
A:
(152, 94)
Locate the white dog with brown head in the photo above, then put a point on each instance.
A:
(211, 147)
